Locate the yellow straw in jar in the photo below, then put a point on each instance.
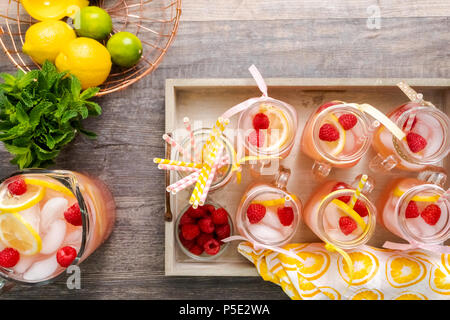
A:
(358, 190)
(177, 163)
(216, 131)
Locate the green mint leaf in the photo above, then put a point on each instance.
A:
(89, 93)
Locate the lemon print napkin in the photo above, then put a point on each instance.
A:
(378, 274)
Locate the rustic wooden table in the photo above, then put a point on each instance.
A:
(284, 38)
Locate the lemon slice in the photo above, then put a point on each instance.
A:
(398, 193)
(349, 211)
(9, 203)
(274, 202)
(49, 185)
(278, 121)
(17, 233)
(43, 10)
(335, 147)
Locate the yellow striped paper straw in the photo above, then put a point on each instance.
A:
(361, 185)
(216, 131)
(177, 163)
(209, 163)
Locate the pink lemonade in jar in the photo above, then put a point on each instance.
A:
(329, 216)
(426, 143)
(336, 135)
(410, 209)
(45, 228)
(268, 214)
(268, 128)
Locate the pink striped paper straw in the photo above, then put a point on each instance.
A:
(410, 120)
(187, 124)
(183, 183)
(174, 144)
(176, 168)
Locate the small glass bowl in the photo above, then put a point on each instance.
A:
(204, 256)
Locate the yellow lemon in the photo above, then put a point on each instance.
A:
(9, 203)
(279, 130)
(49, 185)
(87, 59)
(424, 198)
(44, 40)
(44, 10)
(408, 295)
(17, 233)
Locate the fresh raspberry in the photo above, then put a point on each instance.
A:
(223, 231)
(196, 213)
(209, 208)
(412, 211)
(65, 256)
(256, 138)
(348, 121)
(340, 186)
(203, 238)
(73, 215)
(190, 231)
(261, 121)
(328, 132)
(361, 208)
(415, 142)
(18, 187)
(431, 214)
(347, 225)
(196, 249)
(212, 247)
(9, 257)
(286, 215)
(255, 212)
(206, 225)
(220, 216)
(186, 243)
(186, 219)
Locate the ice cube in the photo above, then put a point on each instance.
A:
(41, 270)
(31, 215)
(265, 233)
(73, 238)
(54, 237)
(23, 264)
(350, 143)
(271, 220)
(53, 210)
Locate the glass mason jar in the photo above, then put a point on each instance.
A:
(431, 124)
(38, 216)
(324, 217)
(281, 212)
(410, 209)
(348, 143)
(224, 173)
(272, 137)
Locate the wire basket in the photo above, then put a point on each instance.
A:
(155, 22)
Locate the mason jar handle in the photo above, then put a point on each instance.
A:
(381, 164)
(5, 285)
(321, 169)
(434, 175)
(282, 178)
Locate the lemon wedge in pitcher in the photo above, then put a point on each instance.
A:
(43, 10)
(17, 233)
(10, 203)
(279, 125)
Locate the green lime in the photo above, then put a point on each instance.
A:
(125, 49)
(93, 22)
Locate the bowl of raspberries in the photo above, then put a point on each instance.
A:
(199, 231)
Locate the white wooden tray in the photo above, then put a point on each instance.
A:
(207, 99)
